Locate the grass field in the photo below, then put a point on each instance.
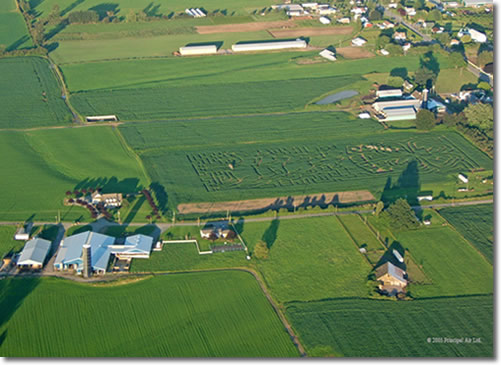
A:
(476, 224)
(221, 314)
(308, 260)
(40, 166)
(362, 235)
(207, 100)
(7, 242)
(33, 98)
(299, 154)
(452, 264)
(13, 31)
(451, 80)
(377, 328)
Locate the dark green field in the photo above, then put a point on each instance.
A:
(214, 314)
(33, 96)
(476, 224)
(297, 154)
(372, 328)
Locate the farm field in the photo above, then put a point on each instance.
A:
(7, 242)
(310, 259)
(186, 71)
(206, 314)
(30, 79)
(42, 165)
(476, 224)
(234, 163)
(362, 234)
(13, 31)
(452, 264)
(381, 328)
(211, 100)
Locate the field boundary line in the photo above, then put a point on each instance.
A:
(463, 237)
(352, 239)
(378, 238)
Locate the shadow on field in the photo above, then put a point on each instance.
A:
(152, 10)
(111, 185)
(70, 7)
(270, 235)
(104, 9)
(161, 195)
(388, 256)
(57, 29)
(17, 43)
(12, 294)
(239, 225)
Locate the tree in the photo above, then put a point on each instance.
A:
(401, 215)
(261, 250)
(375, 15)
(394, 49)
(38, 32)
(444, 38)
(485, 57)
(425, 120)
(424, 77)
(383, 40)
(450, 120)
(480, 116)
(420, 4)
(484, 86)
(466, 38)
(435, 15)
(456, 60)
(379, 208)
(83, 17)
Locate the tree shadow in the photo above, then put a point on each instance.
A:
(389, 256)
(17, 43)
(70, 7)
(239, 225)
(152, 10)
(407, 186)
(110, 185)
(161, 196)
(429, 61)
(103, 9)
(270, 235)
(400, 72)
(57, 29)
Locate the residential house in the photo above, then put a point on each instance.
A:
(399, 36)
(391, 278)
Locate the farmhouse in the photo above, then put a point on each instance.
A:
(216, 229)
(327, 54)
(71, 251)
(268, 46)
(23, 233)
(399, 36)
(34, 253)
(391, 278)
(198, 50)
(113, 200)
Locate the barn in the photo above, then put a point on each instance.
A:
(198, 50)
(268, 46)
(34, 254)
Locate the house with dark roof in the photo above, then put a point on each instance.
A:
(391, 278)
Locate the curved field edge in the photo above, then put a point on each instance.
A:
(384, 328)
(209, 314)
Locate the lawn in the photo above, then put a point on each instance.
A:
(7, 242)
(476, 224)
(33, 97)
(219, 314)
(452, 264)
(381, 328)
(360, 232)
(13, 31)
(451, 80)
(42, 165)
(300, 153)
(309, 259)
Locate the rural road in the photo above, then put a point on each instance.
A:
(398, 18)
(164, 226)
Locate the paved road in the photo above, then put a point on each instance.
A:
(395, 16)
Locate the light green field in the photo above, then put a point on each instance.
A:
(309, 259)
(31, 96)
(13, 31)
(7, 242)
(452, 264)
(219, 314)
(451, 80)
(381, 328)
(40, 166)
(362, 235)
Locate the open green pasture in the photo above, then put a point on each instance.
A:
(234, 162)
(211, 314)
(40, 166)
(207, 100)
(237, 68)
(360, 232)
(309, 259)
(452, 264)
(31, 96)
(13, 31)
(476, 224)
(155, 8)
(7, 242)
(382, 328)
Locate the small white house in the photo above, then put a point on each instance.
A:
(384, 52)
(198, 50)
(358, 42)
(463, 178)
(23, 233)
(410, 11)
(327, 54)
(364, 115)
(425, 197)
(324, 20)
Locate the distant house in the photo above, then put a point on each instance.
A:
(407, 85)
(388, 24)
(34, 254)
(364, 115)
(392, 5)
(406, 46)
(410, 11)
(455, 42)
(324, 20)
(198, 50)
(327, 54)
(427, 197)
(477, 3)
(399, 36)
(344, 20)
(113, 200)
(216, 229)
(475, 35)
(391, 278)
(358, 42)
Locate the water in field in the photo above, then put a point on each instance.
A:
(337, 97)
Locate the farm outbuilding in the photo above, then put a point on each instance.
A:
(358, 42)
(23, 233)
(327, 54)
(34, 254)
(389, 93)
(268, 46)
(102, 118)
(198, 50)
(401, 113)
(401, 103)
(463, 178)
(324, 20)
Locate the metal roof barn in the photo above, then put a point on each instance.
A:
(268, 46)
(34, 253)
(198, 50)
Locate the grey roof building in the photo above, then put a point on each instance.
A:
(34, 253)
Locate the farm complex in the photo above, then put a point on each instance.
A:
(246, 179)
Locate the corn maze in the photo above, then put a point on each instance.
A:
(308, 164)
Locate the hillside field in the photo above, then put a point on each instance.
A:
(40, 166)
(476, 224)
(217, 314)
(302, 153)
(33, 98)
(382, 328)
(13, 31)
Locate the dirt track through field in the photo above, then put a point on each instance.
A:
(354, 52)
(307, 32)
(290, 202)
(245, 27)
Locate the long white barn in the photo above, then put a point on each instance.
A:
(268, 46)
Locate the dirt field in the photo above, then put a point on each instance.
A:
(245, 27)
(307, 32)
(354, 52)
(299, 201)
